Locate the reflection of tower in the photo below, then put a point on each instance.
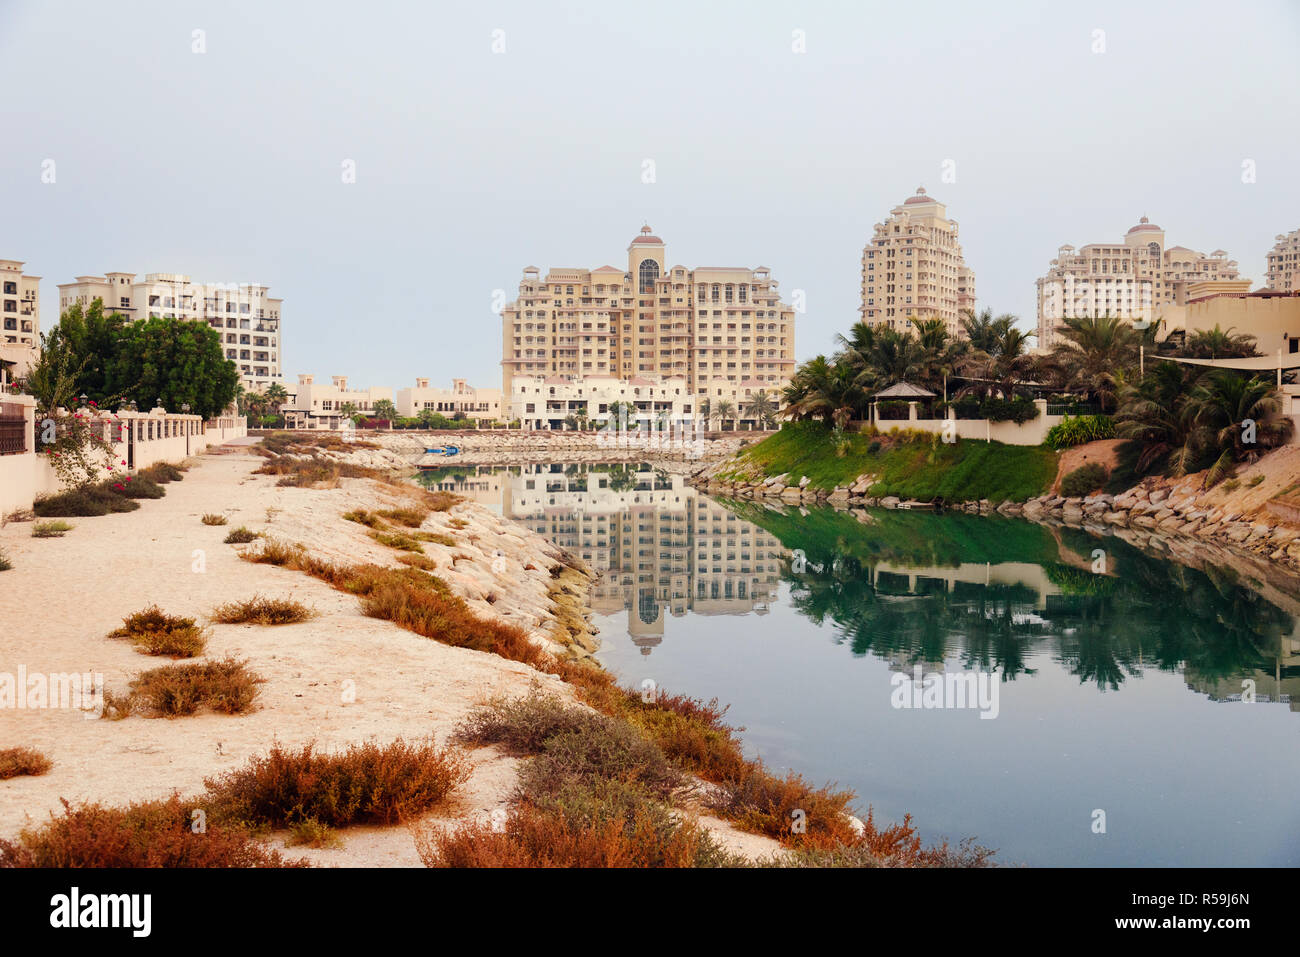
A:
(646, 626)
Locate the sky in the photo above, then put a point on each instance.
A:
(487, 137)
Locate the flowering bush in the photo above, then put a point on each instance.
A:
(75, 447)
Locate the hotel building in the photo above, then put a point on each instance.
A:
(1135, 279)
(461, 399)
(913, 268)
(712, 327)
(314, 405)
(246, 318)
(20, 317)
(1283, 269)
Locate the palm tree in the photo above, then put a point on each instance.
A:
(1217, 343)
(706, 412)
(1093, 349)
(1155, 415)
(761, 409)
(276, 395)
(724, 411)
(1244, 414)
(825, 390)
(384, 409)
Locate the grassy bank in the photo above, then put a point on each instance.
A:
(907, 464)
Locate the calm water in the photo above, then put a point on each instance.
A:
(1117, 692)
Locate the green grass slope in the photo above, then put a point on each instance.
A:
(907, 464)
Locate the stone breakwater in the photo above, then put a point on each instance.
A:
(513, 448)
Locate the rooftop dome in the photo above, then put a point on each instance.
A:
(1144, 226)
(919, 198)
(647, 238)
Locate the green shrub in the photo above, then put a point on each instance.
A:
(1084, 480)
(84, 502)
(1018, 410)
(1077, 430)
(50, 529)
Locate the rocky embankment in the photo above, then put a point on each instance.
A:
(798, 490)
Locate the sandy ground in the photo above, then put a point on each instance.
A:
(63, 596)
(1103, 451)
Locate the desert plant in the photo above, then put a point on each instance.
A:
(262, 611)
(226, 686)
(366, 783)
(155, 633)
(239, 536)
(22, 761)
(145, 834)
(211, 518)
(50, 529)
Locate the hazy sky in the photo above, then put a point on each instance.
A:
(470, 164)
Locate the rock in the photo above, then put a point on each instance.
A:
(1159, 495)
(1238, 533)
(803, 482)
(840, 496)
(1115, 518)
(890, 501)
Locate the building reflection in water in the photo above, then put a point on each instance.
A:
(660, 547)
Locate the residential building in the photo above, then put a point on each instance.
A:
(913, 267)
(713, 327)
(461, 400)
(20, 317)
(314, 405)
(1272, 317)
(244, 315)
(1135, 279)
(546, 402)
(1283, 268)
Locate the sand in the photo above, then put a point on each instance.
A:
(64, 595)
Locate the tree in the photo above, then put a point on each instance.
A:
(706, 412)
(175, 361)
(724, 411)
(1092, 350)
(826, 390)
(762, 409)
(1218, 344)
(276, 395)
(384, 409)
(82, 345)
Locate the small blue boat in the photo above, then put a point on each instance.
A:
(441, 450)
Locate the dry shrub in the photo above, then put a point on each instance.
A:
(262, 611)
(20, 761)
(225, 686)
(537, 838)
(437, 614)
(162, 473)
(141, 486)
(92, 500)
(361, 516)
(155, 633)
(147, 834)
(410, 517)
(761, 802)
(367, 783)
(212, 518)
(439, 501)
(436, 537)
(418, 561)
(51, 529)
(398, 540)
(240, 536)
(523, 725)
(896, 846)
(313, 833)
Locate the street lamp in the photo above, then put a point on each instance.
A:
(84, 398)
(185, 408)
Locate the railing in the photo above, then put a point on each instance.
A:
(13, 429)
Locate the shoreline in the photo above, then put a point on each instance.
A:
(403, 685)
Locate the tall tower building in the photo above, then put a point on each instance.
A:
(708, 325)
(1133, 279)
(1283, 268)
(913, 268)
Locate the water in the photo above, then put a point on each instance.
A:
(1117, 693)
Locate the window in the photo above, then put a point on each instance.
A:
(648, 272)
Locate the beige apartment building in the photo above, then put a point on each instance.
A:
(913, 267)
(714, 327)
(461, 399)
(247, 319)
(20, 319)
(320, 405)
(1283, 268)
(545, 402)
(1272, 317)
(1136, 279)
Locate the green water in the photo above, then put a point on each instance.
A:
(1122, 732)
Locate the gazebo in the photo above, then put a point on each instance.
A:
(904, 391)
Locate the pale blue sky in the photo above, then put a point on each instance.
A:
(472, 165)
